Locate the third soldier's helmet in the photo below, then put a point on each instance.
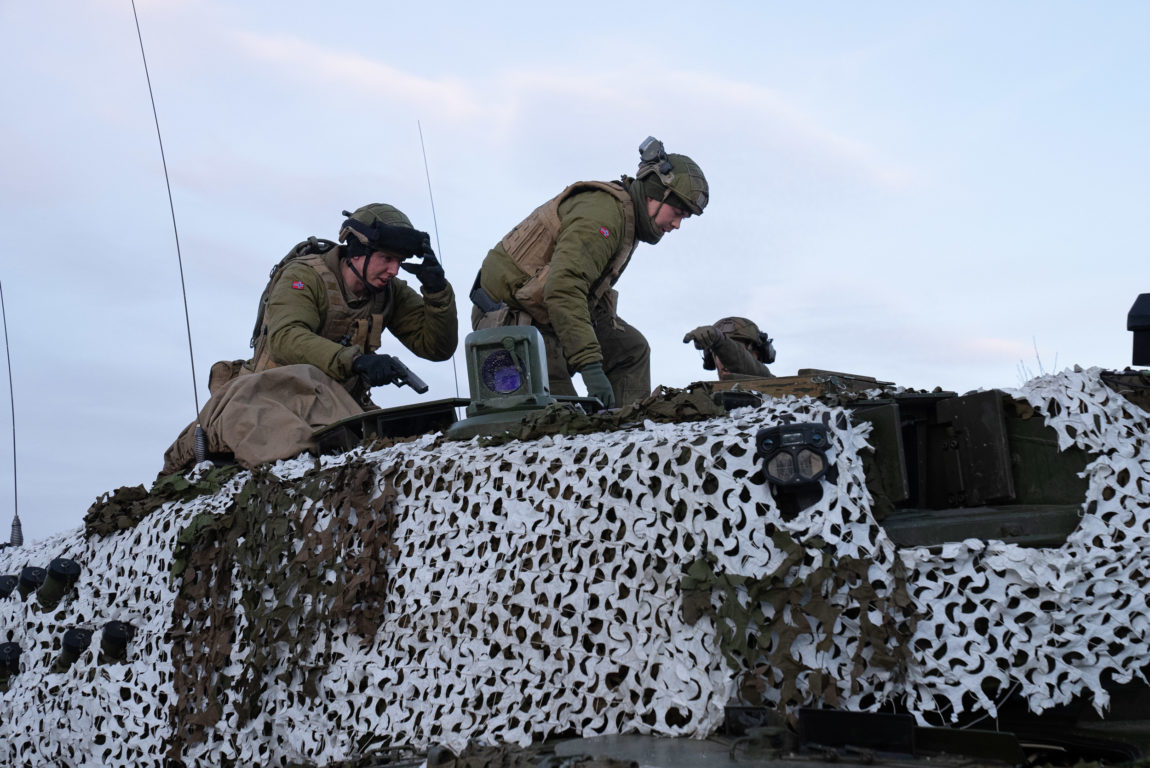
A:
(672, 177)
(743, 330)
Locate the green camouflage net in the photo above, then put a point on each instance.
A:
(295, 584)
(124, 507)
(808, 600)
(665, 405)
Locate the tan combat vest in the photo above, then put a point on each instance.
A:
(345, 324)
(531, 244)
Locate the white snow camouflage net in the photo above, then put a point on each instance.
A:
(536, 589)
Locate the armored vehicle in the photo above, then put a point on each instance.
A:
(825, 568)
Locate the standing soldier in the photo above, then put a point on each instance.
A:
(556, 269)
(735, 348)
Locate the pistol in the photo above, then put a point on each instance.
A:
(408, 377)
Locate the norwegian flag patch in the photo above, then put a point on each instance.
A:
(604, 232)
(297, 285)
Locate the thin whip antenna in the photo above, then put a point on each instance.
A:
(434, 223)
(172, 207)
(17, 530)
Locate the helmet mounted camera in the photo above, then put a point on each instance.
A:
(653, 159)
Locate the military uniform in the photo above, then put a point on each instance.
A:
(738, 345)
(738, 361)
(310, 318)
(569, 298)
(315, 342)
(555, 270)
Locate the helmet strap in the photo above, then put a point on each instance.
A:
(666, 197)
(354, 251)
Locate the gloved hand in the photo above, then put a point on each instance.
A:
(705, 336)
(429, 272)
(376, 369)
(598, 385)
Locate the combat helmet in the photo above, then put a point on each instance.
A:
(742, 330)
(383, 227)
(379, 227)
(666, 175)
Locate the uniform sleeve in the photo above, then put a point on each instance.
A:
(738, 359)
(426, 324)
(591, 228)
(296, 305)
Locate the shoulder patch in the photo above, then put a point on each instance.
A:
(297, 285)
(604, 232)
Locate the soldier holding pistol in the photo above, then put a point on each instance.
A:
(328, 305)
(319, 325)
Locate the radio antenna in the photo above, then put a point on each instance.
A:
(200, 440)
(17, 529)
(435, 224)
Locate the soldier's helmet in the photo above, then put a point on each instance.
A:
(743, 330)
(739, 329)
(364, 223)
(673, 178)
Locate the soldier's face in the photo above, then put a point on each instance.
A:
(665, 216)
(381, 267)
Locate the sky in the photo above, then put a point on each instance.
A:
(937, 195)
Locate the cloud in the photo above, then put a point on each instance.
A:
(504, 103)
(768, 111)
(364, 79)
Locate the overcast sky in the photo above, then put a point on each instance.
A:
(948, 195)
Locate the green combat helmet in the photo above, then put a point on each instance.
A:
(363, 225)
(664, 175)
(382, 227)
(744, 331)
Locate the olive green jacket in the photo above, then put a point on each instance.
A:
(591, 231)
(298, 304)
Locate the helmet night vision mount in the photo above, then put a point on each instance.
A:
(653, 159)
(386, 228)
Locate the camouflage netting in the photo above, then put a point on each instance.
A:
(628, 581)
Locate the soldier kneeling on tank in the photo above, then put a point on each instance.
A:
(319, 326)
(735, 348)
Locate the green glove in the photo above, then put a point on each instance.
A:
(598, 385)
(705, 337)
